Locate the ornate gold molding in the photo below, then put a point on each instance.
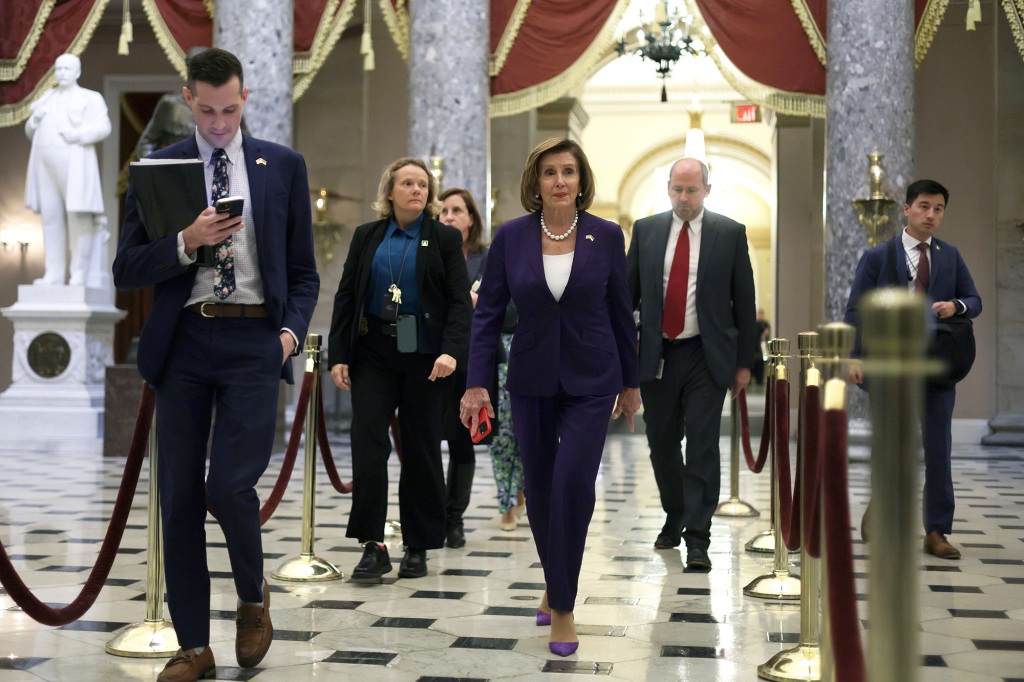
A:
(926, 29)
(305, 65)
(1015, 14)
(508, 37)
(13, 114)
(11, 69)
(551, 89)
(803, 13)
(174, 53)
(397, 19)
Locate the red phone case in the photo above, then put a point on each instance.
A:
(483, 428)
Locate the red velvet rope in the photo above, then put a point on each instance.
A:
(810, 497)
(285, 475)
(789, 523)
(270, 506)
(325, 447)
(47, 615)
(842, 595)
(762, 453)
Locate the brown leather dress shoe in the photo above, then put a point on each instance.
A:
(253, 631)
(189, 666)
(937, 544)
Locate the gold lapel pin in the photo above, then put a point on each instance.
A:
(590, 237)
(261, 161)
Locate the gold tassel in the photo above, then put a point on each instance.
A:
(366, 43)
(126, 30)
(973, 14)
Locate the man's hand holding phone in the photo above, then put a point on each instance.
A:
(214, 224)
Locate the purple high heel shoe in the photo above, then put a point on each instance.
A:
(543, 618)
(563, 648)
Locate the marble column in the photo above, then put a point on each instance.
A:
(449, 53)
(259, 33)
(869, 103)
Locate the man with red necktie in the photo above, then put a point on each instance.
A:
(690, 278)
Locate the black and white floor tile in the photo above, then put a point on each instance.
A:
(639, 615)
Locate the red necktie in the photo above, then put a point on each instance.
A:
(674, 318)
(923, 270)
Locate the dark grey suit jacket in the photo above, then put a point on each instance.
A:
(725, 293)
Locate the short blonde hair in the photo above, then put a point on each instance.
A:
(529, 182)
(383, 205)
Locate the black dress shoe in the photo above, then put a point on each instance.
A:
(414, 564)
(697, 559)
(667, 540)
(374, 564)
(455, 537)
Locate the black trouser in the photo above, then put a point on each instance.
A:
(685, 402)
(384, 380)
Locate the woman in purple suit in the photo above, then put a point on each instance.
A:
(573, 359)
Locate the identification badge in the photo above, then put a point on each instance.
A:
(388, 308)
(661, 368)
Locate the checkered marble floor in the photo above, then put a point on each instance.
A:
(639, 615)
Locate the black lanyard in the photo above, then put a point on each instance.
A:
(401, 268)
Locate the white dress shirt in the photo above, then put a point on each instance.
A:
(914, 257)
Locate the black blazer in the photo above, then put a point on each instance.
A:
(725, 293)
(443, 283)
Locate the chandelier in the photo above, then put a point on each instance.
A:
(664, 40)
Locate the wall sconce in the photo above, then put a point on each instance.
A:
(873, 212)
(16, 235)
(437, 169)
(325, 231)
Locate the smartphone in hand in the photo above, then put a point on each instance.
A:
(483, 427)
(230, 205)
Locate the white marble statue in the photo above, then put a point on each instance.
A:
(63, 183)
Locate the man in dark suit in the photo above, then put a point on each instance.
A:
(935, 269)
(218, 341)
(691, 280)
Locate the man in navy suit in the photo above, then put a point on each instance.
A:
(217, 342)
(691, 280)
(934, 268)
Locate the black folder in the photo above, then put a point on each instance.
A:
(169, 194)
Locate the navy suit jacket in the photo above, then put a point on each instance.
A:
(283, 228)
(725, 293)
(440, 276)
(584, 343)
(948, 278)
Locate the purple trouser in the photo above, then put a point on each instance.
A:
(561, 438)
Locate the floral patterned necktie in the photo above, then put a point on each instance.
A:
(223, 253)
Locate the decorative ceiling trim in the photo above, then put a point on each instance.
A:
(1015, 14)
(11, 69)
(792, 103)
(13, 114)
(164, 38)
(814, 37)
(508, 37)
(305, 65)
(931, 17)
(210, 7)
(396, 16)
(526, 99)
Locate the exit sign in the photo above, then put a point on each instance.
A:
(746, 113)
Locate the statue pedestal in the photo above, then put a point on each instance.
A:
(63, 342)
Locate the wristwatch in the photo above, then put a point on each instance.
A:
(960, 306)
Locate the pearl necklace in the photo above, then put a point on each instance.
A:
(559, 237)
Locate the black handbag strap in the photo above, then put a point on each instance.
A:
(890, 261)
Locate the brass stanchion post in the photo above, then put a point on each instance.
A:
(155, 636)
(803, 662)
(836, 340)
(734, 506)
(780, 584)
(895, 342)
(764, 542)
(307, 567)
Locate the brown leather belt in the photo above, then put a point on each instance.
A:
(229, 310)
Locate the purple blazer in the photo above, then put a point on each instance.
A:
(584, 343)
